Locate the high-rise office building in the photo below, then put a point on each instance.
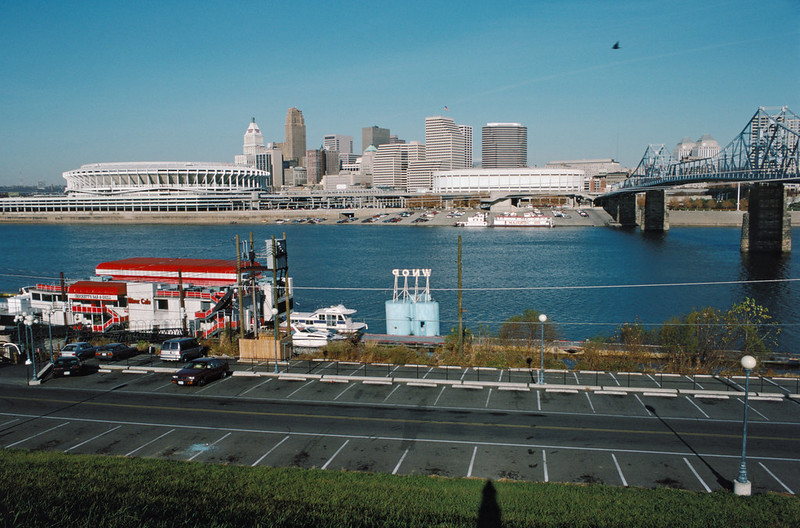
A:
(391, 163)
(339, 143)
(444, 142)
(466, 131)
(504, 146)
(374, 136)
(253, 145)
(294, 148)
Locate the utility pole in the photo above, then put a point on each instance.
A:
(460, 310)
(252, 255)
(239, 285)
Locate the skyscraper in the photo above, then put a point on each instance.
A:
(294, 148)
(339, 143)
(374, 136)
(504, 146)
(444, 142)
(466, 131)
(391, 164)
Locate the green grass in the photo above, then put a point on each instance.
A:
(54, 490)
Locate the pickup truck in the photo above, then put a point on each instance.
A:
(81, 350)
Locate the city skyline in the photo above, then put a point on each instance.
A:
(87, 83)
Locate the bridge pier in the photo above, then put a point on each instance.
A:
(656, 217)
(767, 226)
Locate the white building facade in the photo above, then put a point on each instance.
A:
(523, 180)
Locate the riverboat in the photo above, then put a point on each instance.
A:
(521, 220)
(476, 220)
(333, 318)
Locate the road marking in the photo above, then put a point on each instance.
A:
(440, 395)
(426, 374)
(256, 386)
(464, 373)
(334, 455)
(298, 389)
(643, 405)
(544, 466)
(162, 386)
(9, 422)
(487, 398)
(694, 380)
(539, 399)
(615, 379)
(472, 461)
(776, 478)
(37, 434)
(285, 438)
(654, 380)
(345, 390)
(223, 380)
(390, 394)
(211, 445)
(397, 467)
(708, 490)
(590, 401)
(696, 406)
(356, 370)
(92, 438)
(753, 409)
(577, 381)
(150, 442)
(619, 470)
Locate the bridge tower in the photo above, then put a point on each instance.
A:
(656, 217)
(767, 226)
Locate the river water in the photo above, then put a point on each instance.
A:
(587, 280)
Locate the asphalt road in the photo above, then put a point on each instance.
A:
(404, 428)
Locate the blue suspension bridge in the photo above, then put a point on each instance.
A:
(766, 154)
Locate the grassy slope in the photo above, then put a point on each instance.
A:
(53, 489)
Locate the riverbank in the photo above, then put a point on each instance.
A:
(596, 218)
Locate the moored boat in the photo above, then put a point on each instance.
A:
(334, 318)
(521, 220)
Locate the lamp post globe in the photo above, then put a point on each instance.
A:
(742, 486)
(542, 319)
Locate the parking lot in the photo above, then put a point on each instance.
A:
(624, 429)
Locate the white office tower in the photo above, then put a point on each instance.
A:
(504, 146)
(253, 145)
(391, 162)
(339, 143)
(705, 147)
(466, 131)
(683, 150)
(444, 142)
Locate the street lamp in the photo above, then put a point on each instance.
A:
(49, 314)
(742, 486)
(542, 319)
(18, 320)
(277, 331)
(31, 353)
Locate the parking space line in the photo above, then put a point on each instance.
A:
(615, 379)
(256, 386)
(643, 405)
(390, 394)
(539, 399)
(356, 370)
(654, 380)
(708, 490)
(590, 401)
(163, 386)
(223, 380)
(693, 380)
(544, 465)
(426, 374)
(349, 386)
(397, 467)
(439, 396)
(464, 373)
(753, 409)
(150, 442)
(577, 381)
(334, 455)
(92, 438)
(472, 461)
(285, 438)
(210, 445)
(776, 478)
(487, 398)
(9, 422)
(37, 434)
(697, 406)
(619, 470)
(303, 386)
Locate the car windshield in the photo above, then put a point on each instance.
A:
(197, 365)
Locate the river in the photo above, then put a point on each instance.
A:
(587, 280)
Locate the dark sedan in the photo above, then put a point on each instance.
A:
(69, 366)
(116, 351)
(200, 371)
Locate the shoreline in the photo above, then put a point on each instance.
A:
(597, 218)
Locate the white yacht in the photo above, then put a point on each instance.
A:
(309, 337)
(333, 318)
(476, 220)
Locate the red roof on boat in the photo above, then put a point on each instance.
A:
(113, 289)
(202, 272)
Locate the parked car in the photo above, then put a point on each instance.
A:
(181, 349)
(115, 351)
(81, 350)
(69, 366)
(201, 371)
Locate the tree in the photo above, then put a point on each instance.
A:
(751, 329)
(527, 328)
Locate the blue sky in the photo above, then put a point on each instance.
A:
(87, 82)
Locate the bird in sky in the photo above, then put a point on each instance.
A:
(616, 45)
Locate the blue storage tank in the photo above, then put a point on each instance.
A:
(398, 317)
(425, 320)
